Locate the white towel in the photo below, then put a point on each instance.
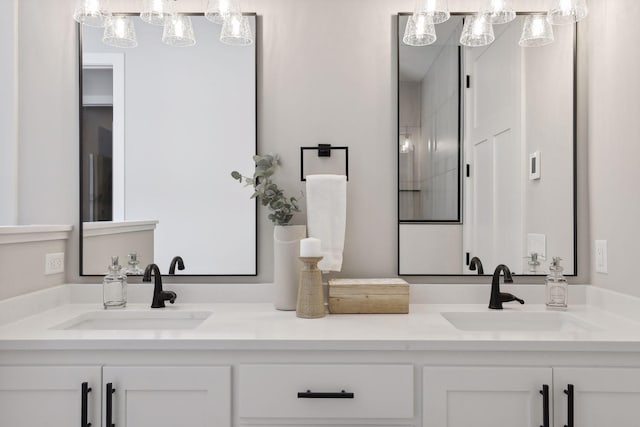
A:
(327, 217)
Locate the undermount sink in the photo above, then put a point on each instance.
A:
(517, 321)
(127, 320)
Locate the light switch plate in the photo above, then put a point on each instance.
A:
(601, 256)
(534, 165)
(537, 243)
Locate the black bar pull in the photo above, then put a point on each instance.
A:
(545, 405)
(109, 414)
(315, 395)
(84, 405)
(569, 393)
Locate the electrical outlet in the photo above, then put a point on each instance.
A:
(601, 256)
(54, 263)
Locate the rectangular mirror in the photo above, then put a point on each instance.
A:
(486, 152)
(162, 128)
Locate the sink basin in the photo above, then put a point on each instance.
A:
(516, 321)
(127, 320)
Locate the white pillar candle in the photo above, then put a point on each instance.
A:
(310, 247)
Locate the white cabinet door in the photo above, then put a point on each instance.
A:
(198, 396)
(601, 397)
(484, 397)
(49, 396)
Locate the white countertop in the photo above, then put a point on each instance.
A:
(258, 326)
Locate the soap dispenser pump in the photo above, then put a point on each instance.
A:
(114, 286)
(134, 266)
(557, 287)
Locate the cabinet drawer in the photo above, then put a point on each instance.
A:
(326, 391)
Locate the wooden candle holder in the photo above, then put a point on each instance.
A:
(310, 295)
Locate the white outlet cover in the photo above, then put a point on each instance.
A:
(601, 256)
(54, 263)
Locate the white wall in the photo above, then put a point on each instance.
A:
(614, 146)
(23, 265)
(8, 112)
(326, 74)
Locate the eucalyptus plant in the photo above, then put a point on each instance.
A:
(267, 192)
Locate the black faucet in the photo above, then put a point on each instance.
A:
(159, 296)
(475, 262)
(497, 297)
(179, 261)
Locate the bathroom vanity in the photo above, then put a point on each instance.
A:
(204, 362)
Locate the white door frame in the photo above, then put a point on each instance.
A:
(114, 62)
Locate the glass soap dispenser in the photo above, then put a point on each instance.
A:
(114, 286)
(134, 266)
(557, 287)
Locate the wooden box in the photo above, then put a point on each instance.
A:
(350, 296)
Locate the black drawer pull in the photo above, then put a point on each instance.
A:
(109, 408)
(569, 393)
(545, 405)
(315, 395)
(84, 406)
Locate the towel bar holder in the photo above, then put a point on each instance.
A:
(324, 150)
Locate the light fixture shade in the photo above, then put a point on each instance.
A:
(420, 30)
(120, 32)
(477, 31)
(178, 31)
(438, 10)
(218, 10)
(236, 30)
(94, 13)
(567, 11)
(155, 12)
(499, 11)
(536, 31)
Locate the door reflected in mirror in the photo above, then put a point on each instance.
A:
(162, 127)
(486, 152)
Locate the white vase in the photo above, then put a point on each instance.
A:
(286, 264)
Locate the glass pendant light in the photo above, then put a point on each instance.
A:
(536, 32)
(419, 31)
(236, 30)
(438, 10)
(93, 13)
(178, 31)
(567, 11)
(218, 10)
(120, 32)
(477, 31)
(499, 11)
(155, 12)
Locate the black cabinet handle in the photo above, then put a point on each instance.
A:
(569, 393)
(545, 405)
(84, 405)
(315, 395)
(109, 415)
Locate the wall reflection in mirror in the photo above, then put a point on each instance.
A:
(162, 127)
(486, 152)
